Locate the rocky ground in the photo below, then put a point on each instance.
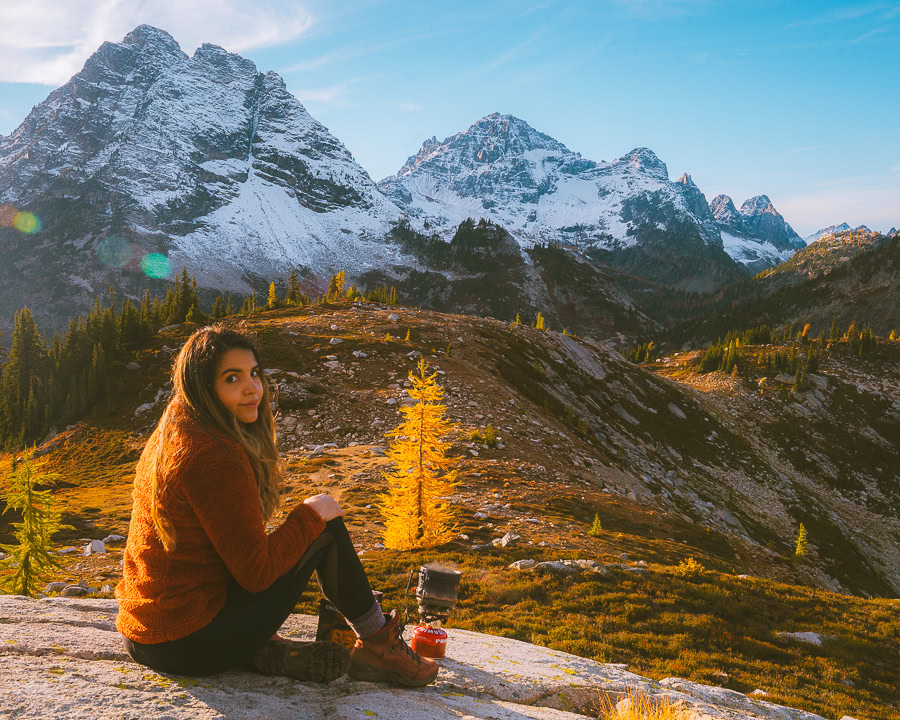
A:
(63, 658)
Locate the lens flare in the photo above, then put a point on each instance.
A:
(114, 251)
(156, 265)
(26, 222)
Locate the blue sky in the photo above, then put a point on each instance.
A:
(796, 100)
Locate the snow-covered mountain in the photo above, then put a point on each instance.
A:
(503, 170)
(202, 158)
(756, 235)
(834, 230)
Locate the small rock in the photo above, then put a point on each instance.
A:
(379, 546)
(509, 539)
(393, 317)
(74, 591)
(759, 693)
(133, 366)
(480, 516)
(143, 408)
(335, 341)
(360, 354)
(522, 564)
(556, 567)
(67, 551)
(334, 328)
(167, 327)
(106, 588)
(392, 401)
(55, 587)
(112, 538)
(94, 547)
(813, 638)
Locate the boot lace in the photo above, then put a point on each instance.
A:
(404, 648)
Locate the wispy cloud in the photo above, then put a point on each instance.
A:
(838, 15)
(876, 31)
(333, 95)
(895, 169)
(47, 41)
(805, 149)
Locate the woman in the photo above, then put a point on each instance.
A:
(204, 587)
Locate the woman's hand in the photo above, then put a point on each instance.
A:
(326, 506)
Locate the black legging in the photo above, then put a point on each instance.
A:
(248, 620)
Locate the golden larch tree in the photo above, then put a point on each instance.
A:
(414, 514)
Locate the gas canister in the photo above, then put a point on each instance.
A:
(429, 642)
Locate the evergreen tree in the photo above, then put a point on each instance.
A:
(414, 514)
(802, 544)
(24, 376)
(229, 310)
(835, 330)
(294, 294)
(40, 520)
(272, 301)
(596, 527)
(539, 321)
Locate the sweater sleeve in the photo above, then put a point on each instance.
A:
(219, 485)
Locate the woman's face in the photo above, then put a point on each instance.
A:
(238, 384)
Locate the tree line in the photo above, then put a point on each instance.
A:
(46, 383)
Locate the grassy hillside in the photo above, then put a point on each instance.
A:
(674, 464)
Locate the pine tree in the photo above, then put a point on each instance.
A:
(835, 330)
(406, 339)
(802, 547)
(40, 520)
(293, 296)
(518, 321)
(414, 514)
(24, 377)
(272, 301)
(597, 527)
(539, 321)
(392, 298)
(894, 334)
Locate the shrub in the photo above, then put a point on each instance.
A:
(637, 705)
(690, 568)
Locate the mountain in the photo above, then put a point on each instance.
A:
(504, 170)
(756, 236)
(626, 212)
(203, 159)
(836, 230)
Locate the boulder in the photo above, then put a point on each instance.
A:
(94, 547)
(556, 567)
(62, 658)
(522, 564)
(112, 538)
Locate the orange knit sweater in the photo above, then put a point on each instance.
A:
(213, 504)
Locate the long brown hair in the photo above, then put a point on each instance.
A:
(193, 399)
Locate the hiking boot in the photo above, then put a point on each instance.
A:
(386, 657)
(319, 662)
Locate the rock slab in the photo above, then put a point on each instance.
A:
(63, 658)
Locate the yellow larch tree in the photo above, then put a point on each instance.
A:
(414, 514)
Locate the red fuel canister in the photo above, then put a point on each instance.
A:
(429, 642)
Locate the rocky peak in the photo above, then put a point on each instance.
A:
(723, 209)
(147, 36)
(686, 180)
(758, 205)
(645, 160)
